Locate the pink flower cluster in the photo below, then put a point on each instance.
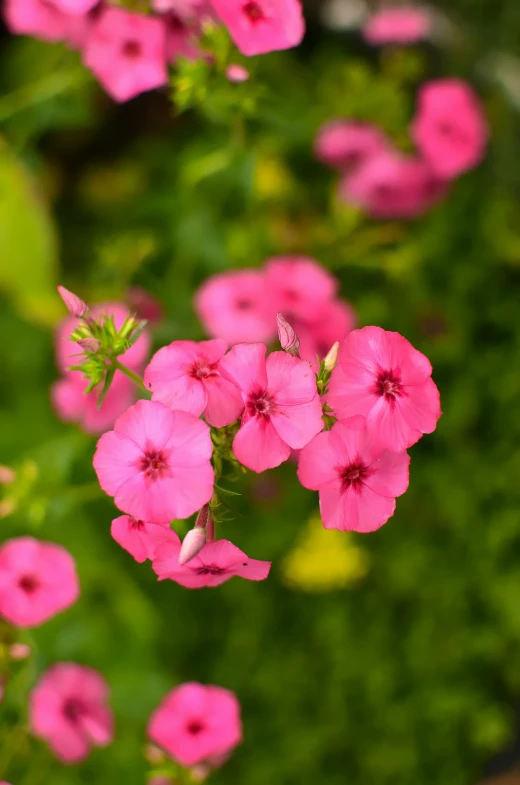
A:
(129, 52)
(68, 394)
(450, 133)
(242, 306)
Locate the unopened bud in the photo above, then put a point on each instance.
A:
(237, 73)
(7, 475)
(331, 359)
(19, 651)
(74, 304)
(90, 345)
(153, 754)
(288, 338)
(192, 544)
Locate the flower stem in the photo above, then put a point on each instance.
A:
(131, 375)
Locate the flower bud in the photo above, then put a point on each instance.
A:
(89, 345)
(19, 651)
(7, 475)
(332, 357)
(237, 73)
(192, 544)
(288, 338)
(74, 304)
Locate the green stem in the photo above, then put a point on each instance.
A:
(131, 375)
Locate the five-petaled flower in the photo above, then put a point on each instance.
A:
(68, 708)
(261, 26)
(357, 479)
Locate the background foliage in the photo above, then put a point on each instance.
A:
(410, 672)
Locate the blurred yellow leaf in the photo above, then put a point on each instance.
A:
(28, 244)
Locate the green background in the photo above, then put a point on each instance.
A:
(410, 676)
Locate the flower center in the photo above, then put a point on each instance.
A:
(28, 583)
(210, 569)
(195, 727)
(260, 404)
(154, 464)
(202, 369)
(354, 475)
(243, 304)
(389, 385)
(131, 49)
(73, 709)
(136, 524)
(253, 11)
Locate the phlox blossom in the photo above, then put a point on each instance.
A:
(381, 376)
(156, 463)
(357, 479)
(72, 404)
(392, 185)
(282, 407)
(196, 723)
(137, 537)
(450, 127)
(68, 708)
(260, 26)
(44, 20)
(126, 52)
(216, 563)
(235, 307)
(405, 24)
(37, 581)
(344, 144)
(185, 375)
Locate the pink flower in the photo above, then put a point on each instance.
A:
(72, 404)
(156, 463)
(36, 18)
(298, 286)
(196, 722)
(37, 581)
(68, 708)
(185, 375)
(382, 377)
(68, 353)
(144, 305)
(182, 36)
(357, 479)
(137, 537)
(216, 563)
(237, 73)
(235, 307)
(344, 144)
(450, 127)
(335, 321)
(391, 185)
(74, 7)
(282, 407)
(398, 25)
(260, 26)
(127, 52)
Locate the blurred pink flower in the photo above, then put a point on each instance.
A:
(156, 463)
(282, 407)
(182, 36)
(196, 722)
(68, 708)
(450, 128)
(68, 353)
(36, 18)
(37, 581)
(216, 563)
(405, 24)
(334, 323)
(235, 306)
(72, 404)
(381, 376)
(357, 479)
(298, 286)
(144, 305)
(344, 144)
(126, 52)
(185, 375)
(19, 652)
(391, 185)
(237, 73)
(260, 26)
(74, 7)
(138, 538)
(7, 475)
